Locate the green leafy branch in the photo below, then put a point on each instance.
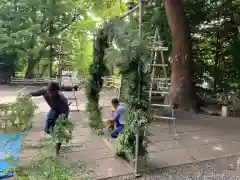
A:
(18, 115)
(62, 131)
(95, 83)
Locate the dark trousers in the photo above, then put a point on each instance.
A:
(51, 119)
(118, 129)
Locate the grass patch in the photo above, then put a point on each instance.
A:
(51, 168)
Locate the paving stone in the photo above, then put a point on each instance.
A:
(80, 131)
(202, 134)
(89, 155)
(160, 137)
(80, 139)
(212, 151)
(229, 137)
(171, 157)
(197, 141)
(73, 147)
(73, 157)
(29, 153)
(164, 145)
(110, 167)
(96, 143)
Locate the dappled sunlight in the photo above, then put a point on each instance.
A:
(196, 137)
(217, 148)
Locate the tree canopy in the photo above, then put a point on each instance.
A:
(34, 34)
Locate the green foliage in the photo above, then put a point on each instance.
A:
(47, 168)
(7, 63)
(97, 70)
(129, 55)
(18, 115)
(62, 131)
(95, 117)
(215, 40)
(136, 102)
(50, 168)
(31, 27)
(215, 36)
(231, 99)
(22, 112)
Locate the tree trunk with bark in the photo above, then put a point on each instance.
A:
(30, 67)
(51, 36)
(31, 61)
(182, 88)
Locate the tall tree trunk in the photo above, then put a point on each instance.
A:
(50, 60)
(51, 34)
(216, 63)
(30, 68)
(44, 67)
(182, 88)
(51, 49)
(31, 60)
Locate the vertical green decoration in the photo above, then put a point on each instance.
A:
(97, 70)
(128, 53)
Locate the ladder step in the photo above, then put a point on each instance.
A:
(163, 87)
(159, 48)
(159, 92)
(75, 104)
(75, 110)
(71, 99)
(158, 65)
(161, 79)
(164, 83)
(162, 105)
(164, 117)
(63, 75)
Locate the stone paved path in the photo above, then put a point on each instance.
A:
(200, 138)
(85, 148)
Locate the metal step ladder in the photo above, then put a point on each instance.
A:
(120, 89)
(72, 100)
(162, 83)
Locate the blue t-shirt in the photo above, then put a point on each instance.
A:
(119, 114)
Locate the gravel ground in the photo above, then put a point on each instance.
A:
(209, 170)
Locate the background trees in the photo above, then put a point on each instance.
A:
(203, 35)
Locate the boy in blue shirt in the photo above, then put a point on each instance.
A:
(118, 118)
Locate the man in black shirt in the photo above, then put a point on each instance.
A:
(57, 102)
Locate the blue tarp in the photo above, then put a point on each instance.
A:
(10, 146)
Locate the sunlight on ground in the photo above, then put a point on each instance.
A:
(196, 137)
(217, 148)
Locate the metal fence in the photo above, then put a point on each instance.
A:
(109, 82)
(35, 81)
